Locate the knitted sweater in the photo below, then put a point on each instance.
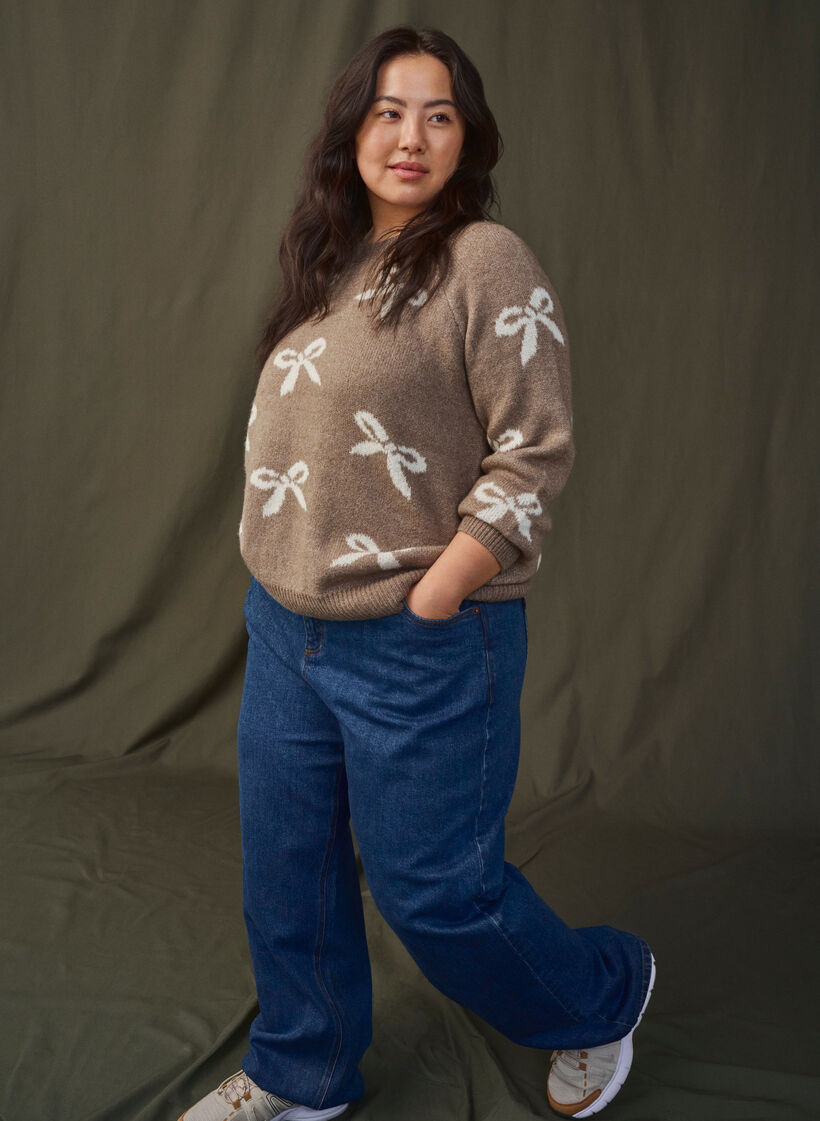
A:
(366, 451)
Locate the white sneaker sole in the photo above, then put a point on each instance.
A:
(302, 1113)
(624, 1059)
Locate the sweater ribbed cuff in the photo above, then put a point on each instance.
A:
(503, 550)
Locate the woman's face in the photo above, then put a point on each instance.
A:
(413, 119)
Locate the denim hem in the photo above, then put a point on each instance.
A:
(251, 1068)
(646, 959)
(625, 1027)
(629, 1024)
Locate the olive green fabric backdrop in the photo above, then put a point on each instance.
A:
(661, 160)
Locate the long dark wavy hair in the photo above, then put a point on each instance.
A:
(326, 229)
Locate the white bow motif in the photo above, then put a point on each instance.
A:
(508, 440)
(280, 482)
(499, 502)
(364, 546)
(512, 319)
(417, 300)
(398, 455)
(294, 360)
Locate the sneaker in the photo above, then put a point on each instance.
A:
(240, 1099)
(581, 1083)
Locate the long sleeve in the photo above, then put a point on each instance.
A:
(516, 356)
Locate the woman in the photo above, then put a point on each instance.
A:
(411, 426)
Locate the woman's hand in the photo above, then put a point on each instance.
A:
(425, 599)
(464, 565)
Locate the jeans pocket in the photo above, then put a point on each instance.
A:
(465, 612)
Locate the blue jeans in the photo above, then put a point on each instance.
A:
(408, 728)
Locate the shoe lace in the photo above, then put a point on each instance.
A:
(571, 1056)
(236, 1087)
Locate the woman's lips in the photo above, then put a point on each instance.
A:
(406, 173)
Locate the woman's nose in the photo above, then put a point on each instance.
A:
(411, 134)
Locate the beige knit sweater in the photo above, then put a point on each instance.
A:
(367, 451)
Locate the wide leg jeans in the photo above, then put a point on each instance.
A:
(408, 728)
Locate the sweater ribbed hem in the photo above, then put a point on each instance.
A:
(504, 551)
(371, 601)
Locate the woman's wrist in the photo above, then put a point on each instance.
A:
(464, 565)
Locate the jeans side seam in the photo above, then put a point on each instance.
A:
(333, 1060)
(481, 800)
(499, 926)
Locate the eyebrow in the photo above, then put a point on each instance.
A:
(427, 104)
